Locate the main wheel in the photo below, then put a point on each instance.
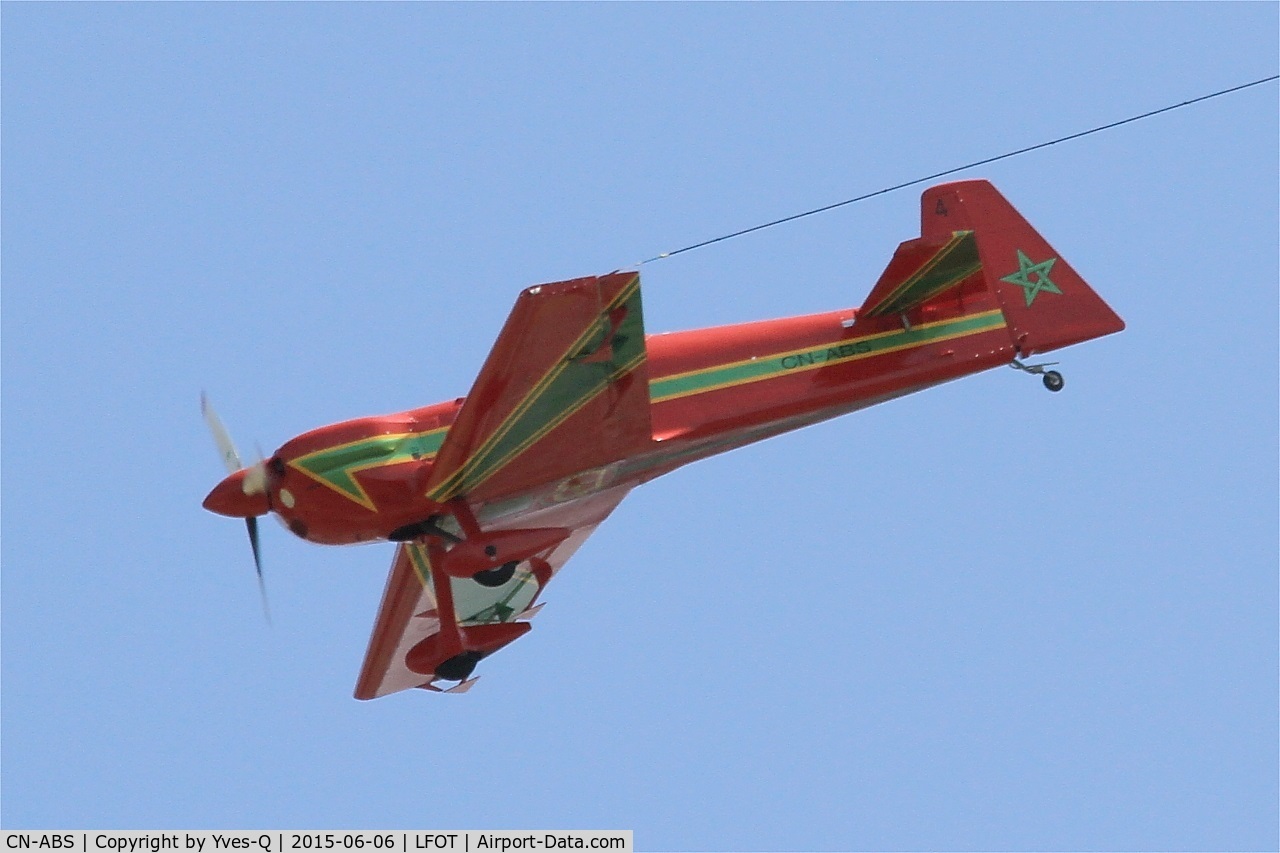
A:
(1053, 380)
(459, 667)
(496, 576)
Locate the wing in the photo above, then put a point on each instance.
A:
(407, 618)
(565, 389)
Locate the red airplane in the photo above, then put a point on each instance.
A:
(490, 494)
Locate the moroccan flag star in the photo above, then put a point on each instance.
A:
(1033, 278)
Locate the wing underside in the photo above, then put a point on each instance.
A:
(407, 617)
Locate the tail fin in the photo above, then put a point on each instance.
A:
(1046, 304)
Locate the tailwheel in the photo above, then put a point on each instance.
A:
(1052, 379)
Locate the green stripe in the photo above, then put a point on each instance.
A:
(588, 342)
(422, 565)
(501, 604)
(837, 352)
(502, 608)
(336, 466)
(953, 263)
(572, 384)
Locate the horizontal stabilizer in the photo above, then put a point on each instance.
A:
(921, 270)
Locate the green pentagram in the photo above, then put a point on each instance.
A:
(497, 612)
(1033, 278)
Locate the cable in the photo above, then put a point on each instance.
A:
(975, 163)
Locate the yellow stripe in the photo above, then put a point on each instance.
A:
(807, 367)
(497, 465)
(363, 498)
(785, 353)
(422, 566)
(910, 280)
(445, 489)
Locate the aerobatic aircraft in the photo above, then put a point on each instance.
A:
(488, 496)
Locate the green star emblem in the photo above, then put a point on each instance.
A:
(498, 612)
(1033, 278)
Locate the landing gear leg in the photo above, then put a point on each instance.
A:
(1052, 379)
(419, 529)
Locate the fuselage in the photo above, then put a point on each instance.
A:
(710, 390)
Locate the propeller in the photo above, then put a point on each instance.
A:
(254, 482)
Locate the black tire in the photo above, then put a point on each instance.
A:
(459, 667)
(496, 576)
(1053, 380)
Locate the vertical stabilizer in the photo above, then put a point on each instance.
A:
(1046, 303)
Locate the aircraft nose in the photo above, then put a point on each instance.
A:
(229, 498)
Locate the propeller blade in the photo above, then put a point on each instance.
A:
(255, 479)
(252, 524)
(254, 482)
(221, 438)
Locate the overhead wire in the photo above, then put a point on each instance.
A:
(972, 165)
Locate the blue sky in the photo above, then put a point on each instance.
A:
(981, 617)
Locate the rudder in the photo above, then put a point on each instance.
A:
(1046, 303)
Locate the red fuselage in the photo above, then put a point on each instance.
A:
(710, 390)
